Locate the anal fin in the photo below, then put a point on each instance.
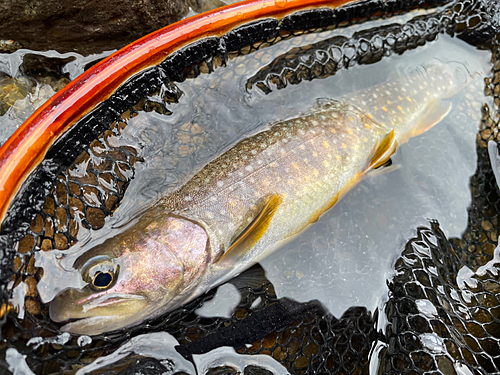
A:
(383, 151)
(253, 232)
(434, 113)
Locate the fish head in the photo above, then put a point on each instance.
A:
(137, 274)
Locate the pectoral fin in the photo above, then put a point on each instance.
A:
(254, 232)
(435, 112)
(383, 151)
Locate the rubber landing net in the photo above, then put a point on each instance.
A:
(60, 197)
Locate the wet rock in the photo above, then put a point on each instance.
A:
(8, 46)
(12, 90)
(84, 26)
(40, 66)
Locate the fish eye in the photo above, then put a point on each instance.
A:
(102, 280)
(100, 273)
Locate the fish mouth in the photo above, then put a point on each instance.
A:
(70, 307)
(94, 325)
(107, 300)
(102, 314)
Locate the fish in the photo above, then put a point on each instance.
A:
(250, 201)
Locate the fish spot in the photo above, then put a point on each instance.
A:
(325, 163)
(384, 108)
(244, 157)
(400, 108)
(266, 182)
(409, 99)
(314, 123)
(388, 102)
(295, 165)
(344, 145)
(208, 215)
(365, 139)
(253, 152)
(188, 198)
(338, 157)
(368, 126)
(307, 179)
(315, 172)
(333, 130)
(302, 132)
(400, 98)
(291, 182)
(350, 118)
(302, 147)
(326, 144)
(249, 168)
(220, 183)
(350, 131)
(369, 115)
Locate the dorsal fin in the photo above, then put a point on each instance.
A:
(254, 232)
(383, 151)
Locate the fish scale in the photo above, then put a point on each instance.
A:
(306, 159)
(250, 201)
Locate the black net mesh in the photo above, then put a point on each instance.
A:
(435, 324)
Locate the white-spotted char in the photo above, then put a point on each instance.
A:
(250, 201)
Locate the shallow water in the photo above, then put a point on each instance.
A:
(344, 259)
(40, 91)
